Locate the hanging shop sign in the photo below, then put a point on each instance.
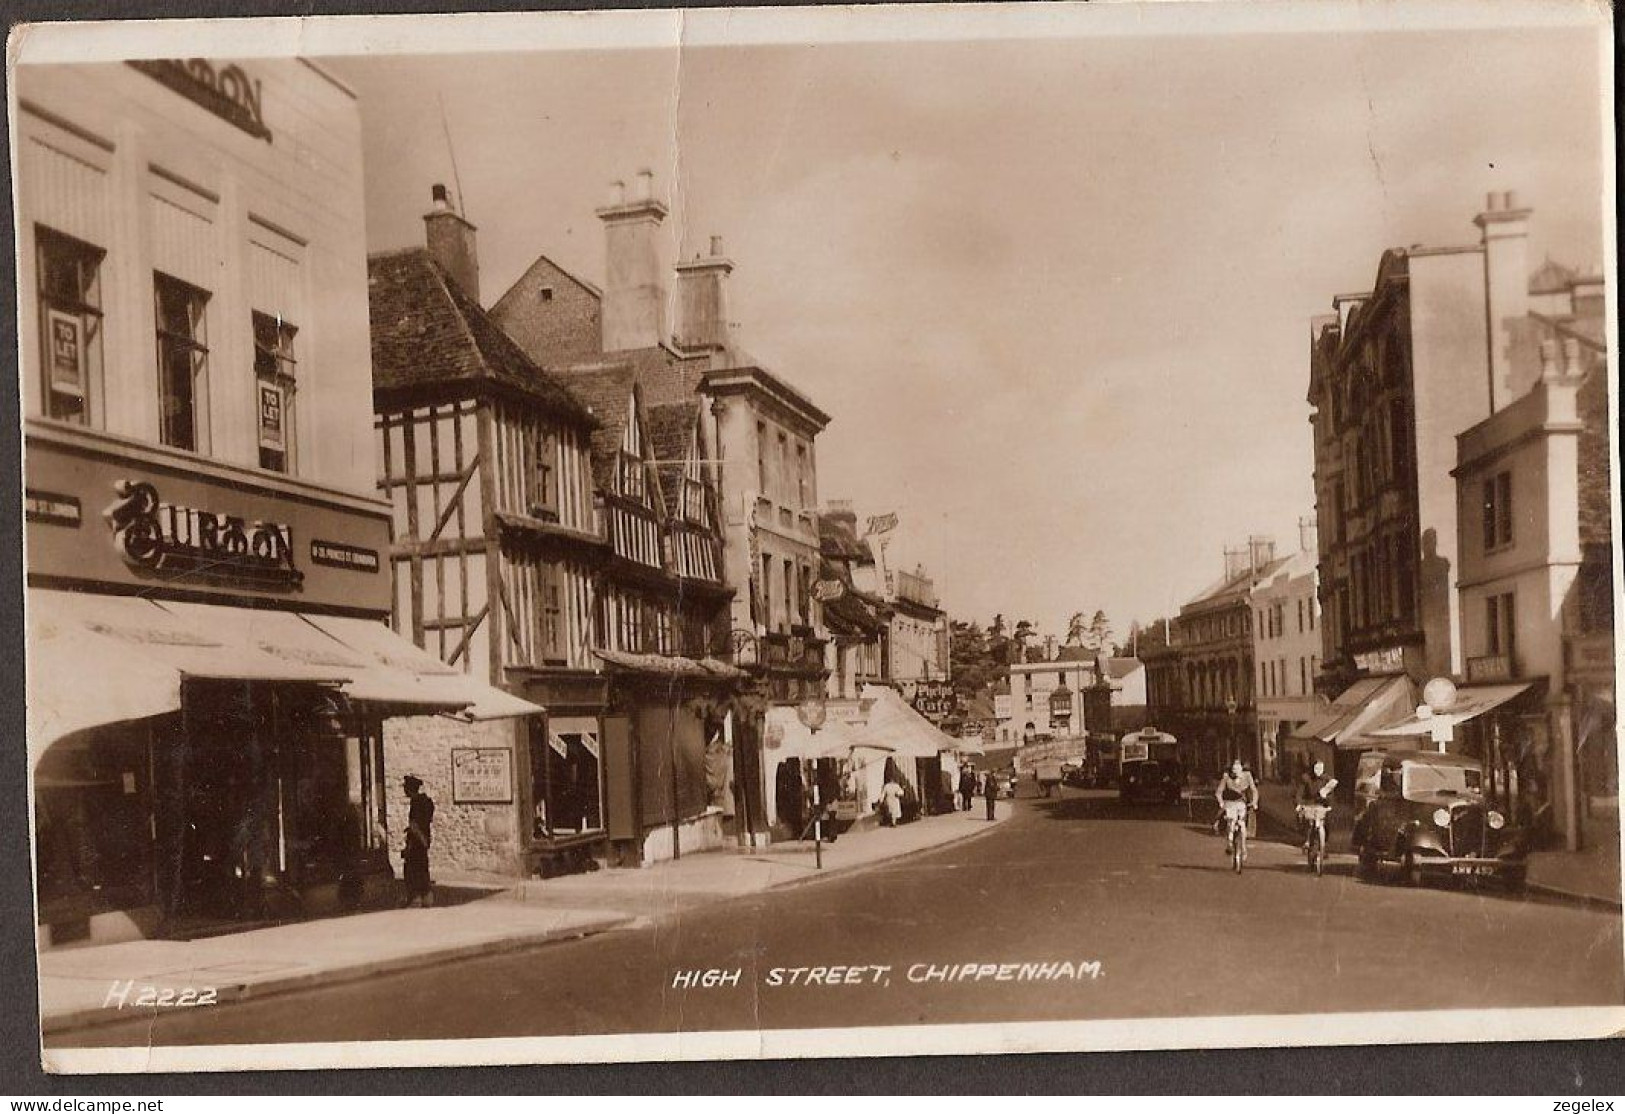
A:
(935, 700)
(169, 538)
(481, 775)
(227, 91)
(826, 591)
(1389, 659)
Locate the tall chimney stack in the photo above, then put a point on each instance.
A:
(1260, 551)
(1504, 232)
(451, 244)
(702, 303)
(634, 305)
(1308, 537)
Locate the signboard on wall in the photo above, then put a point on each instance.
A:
(271, 426)
(481, 775)
(67, 353)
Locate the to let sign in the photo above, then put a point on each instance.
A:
(481, 775)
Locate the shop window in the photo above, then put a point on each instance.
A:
(183, 363)
(70, 299)
(92, 823)
(275, 381)
(1498, 511)
(566, 763)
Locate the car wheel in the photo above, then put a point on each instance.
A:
(1367, 867)
(1410, 870)
(1516, 880)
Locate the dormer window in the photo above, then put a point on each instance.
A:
(545, 294)
(632, 478)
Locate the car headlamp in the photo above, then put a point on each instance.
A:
(1497, 821)
(1441, 817)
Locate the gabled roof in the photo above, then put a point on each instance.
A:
(671, 432)
(606, 391)
(427, 333)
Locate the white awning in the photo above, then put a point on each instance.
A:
(397, 672)
(1470, 702)
(794, 740)
(1367, 701)
(896, 726)
(97, 659)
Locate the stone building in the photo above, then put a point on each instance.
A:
(204, 539)
(1286, 653)
(1446, 340)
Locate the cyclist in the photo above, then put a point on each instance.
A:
(1235, 786)
(1315, 792)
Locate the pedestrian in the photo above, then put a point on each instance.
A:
(967, 787)
(990, 790)
(891, 803)
(419, 834)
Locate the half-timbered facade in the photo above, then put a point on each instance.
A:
(486, 463)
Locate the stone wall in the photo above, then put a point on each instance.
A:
(468, 838)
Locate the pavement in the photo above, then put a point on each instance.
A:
(91, 986)
(1591, 876)
(1077, 907)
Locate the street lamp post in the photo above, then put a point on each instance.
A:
(812, 713)
(1234, 749)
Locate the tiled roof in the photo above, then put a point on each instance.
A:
(606, 391)
(425, 332)
(671, 429)
(849, 614)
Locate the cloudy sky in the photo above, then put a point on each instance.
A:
(1054, 292)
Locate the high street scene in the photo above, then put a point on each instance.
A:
(728, 543)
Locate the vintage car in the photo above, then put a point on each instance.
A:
(1077, 775)
(1427, 813)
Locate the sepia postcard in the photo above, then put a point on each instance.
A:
(731, 533)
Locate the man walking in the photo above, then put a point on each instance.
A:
(419, 834)
(990, 790)
(967, 786)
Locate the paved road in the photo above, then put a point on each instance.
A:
(1144, 891)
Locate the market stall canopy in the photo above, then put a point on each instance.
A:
(1470, 702)
(1370, 701)
(787, 737)
(897, 727)
(99, 659)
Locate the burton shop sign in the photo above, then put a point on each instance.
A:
(185, 541)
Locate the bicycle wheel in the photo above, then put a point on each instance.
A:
(1238, 846)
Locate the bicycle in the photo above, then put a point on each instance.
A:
(1235, 819)
(1314, 847)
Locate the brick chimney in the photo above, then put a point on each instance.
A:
(634, 307)
(702, 304)
(1505, 236)
(451, 244)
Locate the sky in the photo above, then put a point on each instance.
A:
(1054, 293)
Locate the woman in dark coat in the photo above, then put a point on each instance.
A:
(419, 834)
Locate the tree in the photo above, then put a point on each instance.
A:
(1076, 629)
(970, 658)
(998, 641)
(1099, 635)
(1026, 631)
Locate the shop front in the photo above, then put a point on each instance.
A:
(209, 675)
(1339, 734)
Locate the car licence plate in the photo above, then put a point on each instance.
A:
(1472, 868)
